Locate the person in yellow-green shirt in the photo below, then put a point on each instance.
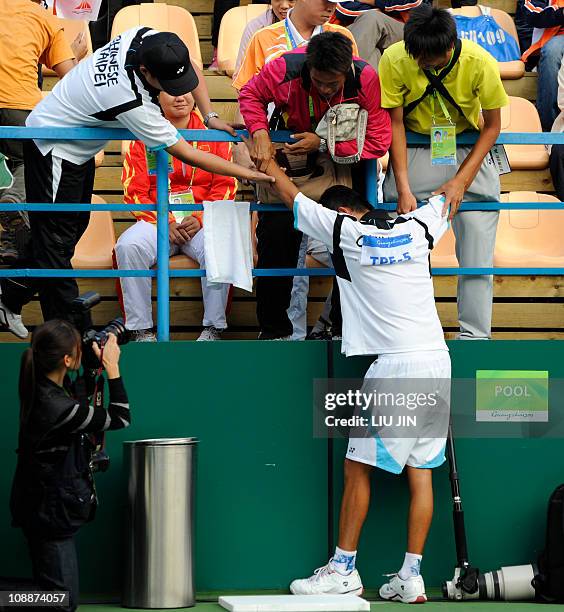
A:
(434, 82)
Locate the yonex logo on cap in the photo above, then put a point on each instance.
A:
(180, 70)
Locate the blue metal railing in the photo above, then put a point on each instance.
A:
(163, 273)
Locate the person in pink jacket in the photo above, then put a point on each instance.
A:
(302, 93)
(303, 85)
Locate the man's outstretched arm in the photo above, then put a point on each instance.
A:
(283, 185)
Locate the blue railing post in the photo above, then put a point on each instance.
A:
(163, 249)
(371, 166)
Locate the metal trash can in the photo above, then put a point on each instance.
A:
(159, 571)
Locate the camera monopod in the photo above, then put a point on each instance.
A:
(508, 583)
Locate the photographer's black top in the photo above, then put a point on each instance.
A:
(57, 416)
(53, 492)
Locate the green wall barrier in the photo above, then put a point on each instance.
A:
(262, 494)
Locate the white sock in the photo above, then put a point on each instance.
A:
(411, 566)
(343, 561)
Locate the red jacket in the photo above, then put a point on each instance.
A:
(286, 82)
(141, 188)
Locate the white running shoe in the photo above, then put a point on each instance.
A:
(12, 322)
(210, 334)
(408, 591)
(327, 581)
(142, 335)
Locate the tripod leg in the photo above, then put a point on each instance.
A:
(457, 511)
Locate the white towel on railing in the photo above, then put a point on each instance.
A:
(227, 243)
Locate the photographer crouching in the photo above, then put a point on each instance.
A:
(53, 492)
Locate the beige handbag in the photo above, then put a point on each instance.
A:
(343, 123)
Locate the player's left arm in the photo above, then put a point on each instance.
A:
(433, 217)
(283, 185)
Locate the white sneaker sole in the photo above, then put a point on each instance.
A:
(357, 592)
(420, 599)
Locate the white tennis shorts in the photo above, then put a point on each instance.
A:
(393, 453)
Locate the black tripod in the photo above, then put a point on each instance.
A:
(465, 580)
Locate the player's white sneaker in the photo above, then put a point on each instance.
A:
(12, 322)
(409, 591)
(327, 581)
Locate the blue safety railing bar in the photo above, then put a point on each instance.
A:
(435, 271)
(52, 133)
(391, 206)
(198, 273)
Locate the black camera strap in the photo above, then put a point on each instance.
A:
(436, 84)
(98, 439)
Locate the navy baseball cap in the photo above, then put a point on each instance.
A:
(167, 58)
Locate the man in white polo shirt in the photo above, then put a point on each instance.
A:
(117, 86)
(388, 309)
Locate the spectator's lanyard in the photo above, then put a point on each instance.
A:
(184, 197)
(312, 115)
(443, 135)
(290, 40)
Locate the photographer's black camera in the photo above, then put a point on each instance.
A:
(83, 304)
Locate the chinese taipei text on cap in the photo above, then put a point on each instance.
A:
(167, 58)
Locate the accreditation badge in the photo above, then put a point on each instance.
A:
(152, 163)
(185, 197)
(443, 145)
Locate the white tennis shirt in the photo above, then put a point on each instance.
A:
(388, 305)
(102, 92)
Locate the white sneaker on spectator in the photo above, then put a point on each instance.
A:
(12, 322)
(327, 581)
(281, 339)
(209, 334)
(142, 335)
(407, 591)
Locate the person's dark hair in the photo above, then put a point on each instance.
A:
(429, 32)
(50, 342)
(339, 195)
(330, 52)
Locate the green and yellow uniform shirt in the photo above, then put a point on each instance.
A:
(474, 83)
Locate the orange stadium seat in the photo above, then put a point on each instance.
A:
(164, 18)
(94, 249)
(231, 30)
(72, 28)
(522, 116)
(529, 238)
(508, 70)
(444, 255)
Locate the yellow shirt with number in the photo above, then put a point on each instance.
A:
(474, 83)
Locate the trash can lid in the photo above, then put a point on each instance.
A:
(164, 442)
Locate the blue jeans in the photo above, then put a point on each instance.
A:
(547, 84)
